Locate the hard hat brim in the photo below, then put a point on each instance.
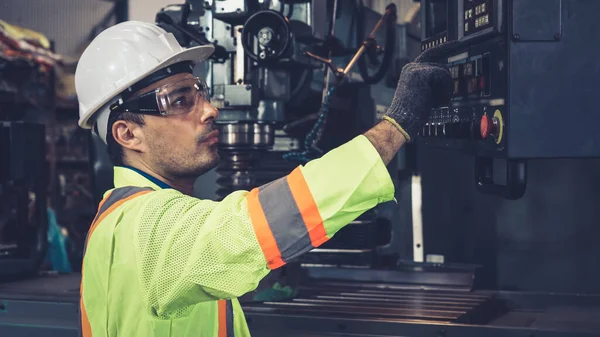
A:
(194, 54)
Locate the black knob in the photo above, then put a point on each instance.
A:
(456, 129)
(475, 129)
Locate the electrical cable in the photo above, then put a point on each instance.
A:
(290, 10)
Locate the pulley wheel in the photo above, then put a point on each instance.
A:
(266, 37)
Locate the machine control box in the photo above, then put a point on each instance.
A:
(475, 119)
(526, 81)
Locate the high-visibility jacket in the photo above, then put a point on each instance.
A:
(160, 263)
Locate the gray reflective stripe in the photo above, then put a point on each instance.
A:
(120, 193)
(229, 318)
(285, 219)
(114, 197)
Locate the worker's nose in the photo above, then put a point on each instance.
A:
(209, 112)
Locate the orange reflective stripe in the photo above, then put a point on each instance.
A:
(86, 328)
(263, 232)
(308, 207)
(222, 318)
(225, 315)
(98, 212)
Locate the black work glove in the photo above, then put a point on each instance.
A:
(424, 84)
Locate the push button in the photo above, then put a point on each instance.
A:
(484, 126)
(488, 126)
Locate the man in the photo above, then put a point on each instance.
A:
(159, 262)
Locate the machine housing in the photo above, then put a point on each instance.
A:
(525, 83)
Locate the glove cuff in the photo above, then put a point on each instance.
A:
(401, 129)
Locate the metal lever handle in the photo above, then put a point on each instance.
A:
(390, 14)
(340, 73)
(328, 62)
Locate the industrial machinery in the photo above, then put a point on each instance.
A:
(23, 218)
(289, 86)
(26, 86)
(269, 77)
(525, 84)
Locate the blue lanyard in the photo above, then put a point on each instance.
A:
(161, 184)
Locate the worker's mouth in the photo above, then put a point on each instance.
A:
(211, 138)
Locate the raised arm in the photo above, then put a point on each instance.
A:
(190, 250)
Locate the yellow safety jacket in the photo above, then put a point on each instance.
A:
(160, 263)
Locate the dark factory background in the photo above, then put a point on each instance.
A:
(545, 241)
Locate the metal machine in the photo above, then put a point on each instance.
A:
(268, 80)
(290, 86)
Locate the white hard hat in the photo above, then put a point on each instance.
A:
(119, 57)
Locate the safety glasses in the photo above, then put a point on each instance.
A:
(169, 100)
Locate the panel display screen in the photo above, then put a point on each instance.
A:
(478, 15)
(436, 17)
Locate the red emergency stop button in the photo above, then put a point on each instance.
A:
(484, 126)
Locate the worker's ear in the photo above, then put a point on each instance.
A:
(129, 135)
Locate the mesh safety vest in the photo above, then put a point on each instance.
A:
(161, 263)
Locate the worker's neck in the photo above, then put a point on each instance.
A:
(183, 185)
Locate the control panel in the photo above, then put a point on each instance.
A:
(474, 120)
(525, 83)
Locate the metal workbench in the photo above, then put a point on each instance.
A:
(48, 306)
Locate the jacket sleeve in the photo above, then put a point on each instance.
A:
(191, 250)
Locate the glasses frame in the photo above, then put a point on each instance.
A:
(148, 103)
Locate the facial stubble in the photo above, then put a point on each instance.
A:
(181, 163)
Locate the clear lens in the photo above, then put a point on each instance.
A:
(181, 97)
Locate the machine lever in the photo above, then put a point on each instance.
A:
(337, 71)
(369, 42)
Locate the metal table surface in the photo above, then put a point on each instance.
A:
(342, 300)
(48, 306)
(355, 309)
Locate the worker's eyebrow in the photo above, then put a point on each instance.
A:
(180, 90)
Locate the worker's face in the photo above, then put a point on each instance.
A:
(182, 146)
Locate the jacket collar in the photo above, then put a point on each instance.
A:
(130, 176)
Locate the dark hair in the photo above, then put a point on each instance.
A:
(115, 151)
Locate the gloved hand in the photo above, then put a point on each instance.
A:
(424, 84)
